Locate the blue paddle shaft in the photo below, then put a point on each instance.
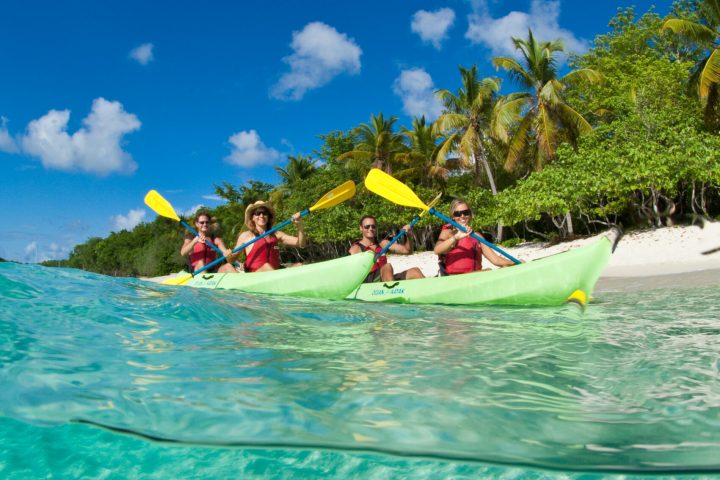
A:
(474, 235)
(207, 242)
(237, 249)
(397, 237)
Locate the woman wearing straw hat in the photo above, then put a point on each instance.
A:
(264, 254)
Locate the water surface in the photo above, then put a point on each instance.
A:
(101, 374)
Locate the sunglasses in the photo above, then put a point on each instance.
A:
(368, 227)
(462, 213)
(261, 212)
(203, 222)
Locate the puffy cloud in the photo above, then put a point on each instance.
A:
(94, 148)
(127, 222)
(433, 26)
(7, 144)
(415, 87)
(248, 150)
(142, 54)
(191, 211)
(496, 33)
(31, 248)
(320, 53)
(36, 253)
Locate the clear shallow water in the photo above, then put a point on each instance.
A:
(104, 375)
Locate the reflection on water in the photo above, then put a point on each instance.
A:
(631, 385)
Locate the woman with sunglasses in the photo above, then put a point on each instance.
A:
(457, 251)
(198, 247)
(264, 255)
(382, 270)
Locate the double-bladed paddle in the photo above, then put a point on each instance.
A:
(412, 224)
(163, 208)
(391, 189)
(333, 197)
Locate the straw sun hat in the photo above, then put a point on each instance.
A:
(254, 206)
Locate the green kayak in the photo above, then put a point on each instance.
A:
(332, 279)
(551, 280)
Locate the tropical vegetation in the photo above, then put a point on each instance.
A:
(615, 140)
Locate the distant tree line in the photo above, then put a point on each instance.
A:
(630, 135)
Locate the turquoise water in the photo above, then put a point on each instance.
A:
(113, 378)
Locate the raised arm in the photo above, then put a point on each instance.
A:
(189, 244)
(405, 249)
(290, 240)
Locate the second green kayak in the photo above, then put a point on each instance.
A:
(547, 281)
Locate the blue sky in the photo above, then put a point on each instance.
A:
(102, 101)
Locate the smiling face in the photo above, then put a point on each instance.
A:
(202, 223)
(261, 218)
(368, 228)
(462, 214)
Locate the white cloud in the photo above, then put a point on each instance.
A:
(143, 54)
(248, 150)
(7, 143)
(31, 248)
(320, 53)
(127, 222)
(94, 148)
(433, 26)
(415, 87)
(191, 211)
(496, 33)
(213, 197)
(35, 253)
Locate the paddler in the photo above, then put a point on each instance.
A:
(264, 255)
(457, 251)
(198, 248)
(382, 271)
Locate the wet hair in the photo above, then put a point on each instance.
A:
(365, 217)
(203, 213)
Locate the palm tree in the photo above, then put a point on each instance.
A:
(420, 163)
(297, 169)
(470, 120)
(377, 146)
(548, 120)
(706, 74)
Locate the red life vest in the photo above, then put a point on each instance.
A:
(380, 262)
(263, 251)
(464, 257)
(203, 252)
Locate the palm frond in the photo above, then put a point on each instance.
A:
(519, 141)
(694, 31)
(710, 74)
(584, 74)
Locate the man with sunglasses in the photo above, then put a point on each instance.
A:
(457, 251)
(382, 271)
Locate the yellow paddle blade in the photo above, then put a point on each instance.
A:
(387, 187)
(337, 195)
(179, 280)
(160, 206)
